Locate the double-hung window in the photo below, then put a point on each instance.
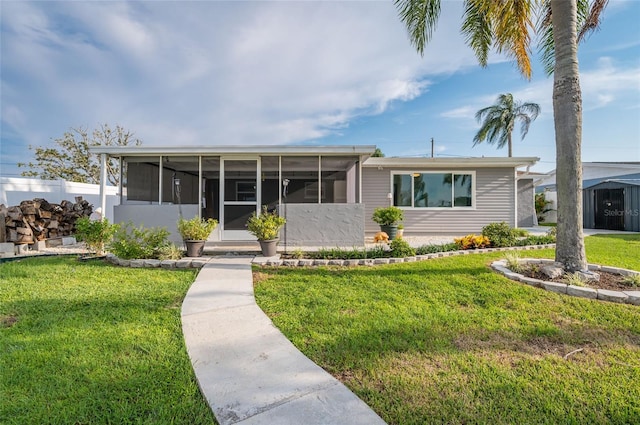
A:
(433, 189)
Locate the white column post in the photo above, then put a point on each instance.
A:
(160, 182)
(103, 183)
(200, 187)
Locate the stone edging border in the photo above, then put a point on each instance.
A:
(625, 297)
(305, 262)
(198, 262)
(184, 263)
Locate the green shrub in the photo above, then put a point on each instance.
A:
(377, 252)
(169, 252)
(265, 226)
(387, 216)
(632, 280)
(500, 234)
(339, 254)
(196, 229)
(433, 249)
(95, 233)
(521, 233)
(131, 242)
(401, 248)
(574, 279)
(297, 253)
(542, 206)
(536, 240)
(513, 262)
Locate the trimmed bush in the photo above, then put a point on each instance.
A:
(500, 234)
(401, 248)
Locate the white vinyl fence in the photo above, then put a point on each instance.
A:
(13, 190)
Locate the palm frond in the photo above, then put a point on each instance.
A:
(477, 29)
(513, 26)
(525, 122)
(592, 20)
(420, 18)
(587, 20)
(546, 47)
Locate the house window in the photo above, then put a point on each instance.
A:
(433, 189)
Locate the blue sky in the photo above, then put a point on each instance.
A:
(241, 73)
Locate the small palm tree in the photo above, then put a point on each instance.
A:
(499, 120)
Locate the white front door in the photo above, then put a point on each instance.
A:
(239, 196)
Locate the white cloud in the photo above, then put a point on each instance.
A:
(217, 72)
(601, 86)
(608, 83)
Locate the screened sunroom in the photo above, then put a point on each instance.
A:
(318, 189)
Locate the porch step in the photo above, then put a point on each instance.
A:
(222, 247)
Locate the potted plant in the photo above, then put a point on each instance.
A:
(266, 227)
(388, 219)
(400, 231)
(194, 233)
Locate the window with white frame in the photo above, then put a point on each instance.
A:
(433, 189)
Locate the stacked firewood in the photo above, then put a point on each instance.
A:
(38, 220)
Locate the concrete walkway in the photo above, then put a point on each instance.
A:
(247, 370)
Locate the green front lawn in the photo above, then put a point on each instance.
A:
(449, 341)
(91, 343)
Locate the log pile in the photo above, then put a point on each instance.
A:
(38, 219)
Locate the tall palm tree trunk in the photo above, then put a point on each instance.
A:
(510, 146)
(567, 107)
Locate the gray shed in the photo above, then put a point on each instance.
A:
(613, 205)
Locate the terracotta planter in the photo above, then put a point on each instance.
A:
(269, 248)
(194, 248)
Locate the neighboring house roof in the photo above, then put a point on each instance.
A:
(632, 182)
(483, 162)
(240, 150)
(592, 182)
(594, 172)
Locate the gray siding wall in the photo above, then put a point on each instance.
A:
(631, 205)
(327, 225)
(526, 203)
(494, 202)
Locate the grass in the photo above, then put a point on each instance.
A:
(92, 343)
(449, 341)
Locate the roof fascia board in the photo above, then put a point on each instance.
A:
(234, 150)
(483, 162)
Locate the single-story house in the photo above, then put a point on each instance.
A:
(326, 193)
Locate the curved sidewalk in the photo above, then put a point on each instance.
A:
(247, 370)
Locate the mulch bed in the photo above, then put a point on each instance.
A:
(612, 281)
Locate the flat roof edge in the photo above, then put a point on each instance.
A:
(234, 150)
(449, 162)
